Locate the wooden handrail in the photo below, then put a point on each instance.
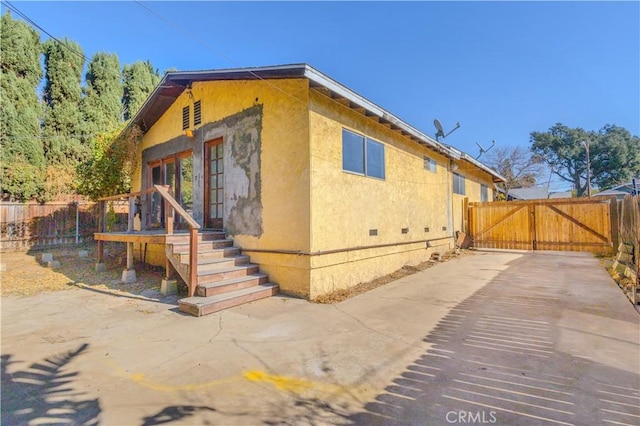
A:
(177, 207)
(170, 204)
(132, 194)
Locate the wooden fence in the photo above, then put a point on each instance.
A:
(33, 225)
(628, 260)
(566, 224)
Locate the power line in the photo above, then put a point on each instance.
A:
(51, 36)
(29, 20)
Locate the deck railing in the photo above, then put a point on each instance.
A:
(171, 205)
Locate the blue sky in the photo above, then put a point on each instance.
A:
(502, 69)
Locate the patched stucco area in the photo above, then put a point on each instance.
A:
(242, 179)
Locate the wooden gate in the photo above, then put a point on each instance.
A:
(566, 224)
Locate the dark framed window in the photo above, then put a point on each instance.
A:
(352, 152)
(484, 193)
(375, 159)
(458, 184)
(362, 155)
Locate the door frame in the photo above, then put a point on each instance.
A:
(217, 223)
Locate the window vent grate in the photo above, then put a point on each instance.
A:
(185, 118)
(197, 113)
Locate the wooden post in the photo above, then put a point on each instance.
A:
(615, 224)
(168, 217)
(193, 260)
(465, 216)
(532, 225)
(132, 212)
(129, 255)
(100, 251)
(101, 224)
(470, 214)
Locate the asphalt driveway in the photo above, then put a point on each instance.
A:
(502, 338)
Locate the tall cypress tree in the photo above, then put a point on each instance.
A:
(139, 81)
(63, 127)
(21, 151)
(101, 105)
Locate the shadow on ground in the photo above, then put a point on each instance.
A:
(494, 359)
(44, 393)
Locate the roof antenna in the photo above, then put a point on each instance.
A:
(440, 130)
(482, 150)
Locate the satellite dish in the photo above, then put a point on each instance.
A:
(440, 130)
(482, 150)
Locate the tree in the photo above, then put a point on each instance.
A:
(615, 158)
(139, 81)
(21, 151)
(109, 170)
(101, 105)
(614, 154)
(519, 166)
(63, 127)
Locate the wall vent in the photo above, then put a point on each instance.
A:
(197, 113)
(185, 118)
(426, 229)
(405, 230)
(373, 232)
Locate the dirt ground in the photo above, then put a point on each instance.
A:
(25, 275)
(340, 295)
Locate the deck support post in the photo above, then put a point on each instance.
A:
(129, 274)
(193, 261)
(100, 266)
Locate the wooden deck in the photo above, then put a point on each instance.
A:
(150, 237)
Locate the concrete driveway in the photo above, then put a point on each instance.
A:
(502, 338)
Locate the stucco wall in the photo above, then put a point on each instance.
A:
(308, 223)
(346, 206)
(265, 129)
(474, 178)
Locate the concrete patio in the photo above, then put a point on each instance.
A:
(396, 355)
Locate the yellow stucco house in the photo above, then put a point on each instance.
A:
(320, 187)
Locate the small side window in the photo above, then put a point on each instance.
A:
(458, 184)
(430, 164)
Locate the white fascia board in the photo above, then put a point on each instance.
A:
(482, 166)
(326, 81)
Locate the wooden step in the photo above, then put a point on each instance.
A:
(221, 262)
(226, 273)
(224, 286)
(183, 237)
(211, 254)
(199, 306)
(202, 246)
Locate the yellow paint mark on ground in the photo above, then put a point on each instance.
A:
(282, 382)
(140, 379)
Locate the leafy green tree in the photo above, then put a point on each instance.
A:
(614, 154)
(21, 151)
(113, 161)
(101, 105)
(139, 81)
(615, 158)
(62, 130)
